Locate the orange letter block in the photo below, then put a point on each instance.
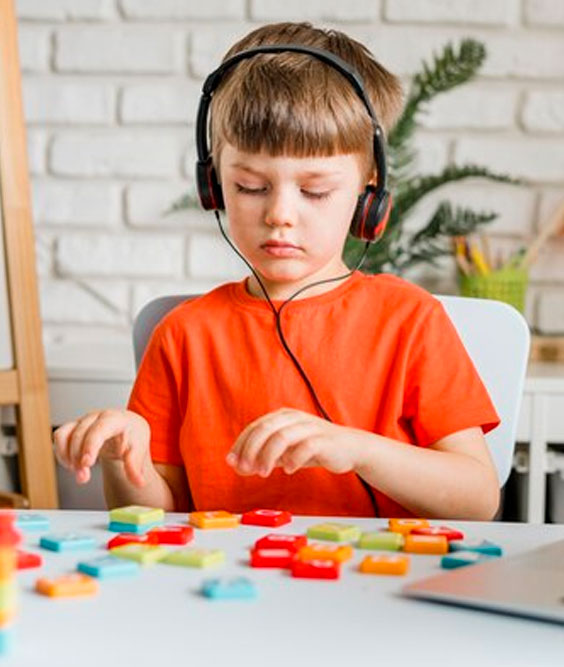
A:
(426, 544)
(216, 519)
(68, 585)
(405, 526)
(338, 554)
(385, 564)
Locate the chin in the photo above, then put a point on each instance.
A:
(283, 275)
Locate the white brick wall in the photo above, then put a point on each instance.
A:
(111, 89)
(485, 12)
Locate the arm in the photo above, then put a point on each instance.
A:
(453, 478)
(120, 439)
(165, 486)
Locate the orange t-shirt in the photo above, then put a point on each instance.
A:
(381, 353)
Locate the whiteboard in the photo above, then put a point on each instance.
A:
(6, 353)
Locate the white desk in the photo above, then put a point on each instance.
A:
(159, 617)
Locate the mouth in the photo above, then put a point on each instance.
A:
(281, 248)
(279, 244)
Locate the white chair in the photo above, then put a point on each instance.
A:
(495, 335)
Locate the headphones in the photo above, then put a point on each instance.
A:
(374, 204)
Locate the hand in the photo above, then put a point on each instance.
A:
(293, 439)
(107, 435)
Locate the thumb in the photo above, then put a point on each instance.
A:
(134, 465)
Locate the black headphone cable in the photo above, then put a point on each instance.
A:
(277, 316)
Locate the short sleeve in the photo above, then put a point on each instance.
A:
(444, 392)
(155, 396)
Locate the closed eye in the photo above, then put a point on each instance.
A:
(249, 191)
(316, 195)
(260, 191)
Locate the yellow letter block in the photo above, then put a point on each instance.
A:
(137, 514)
(145, 554)
(68, 585)
(337, 532)
(195, 557)
(385, 564)
(381, 540)
(405, 526)
(337, 554)
(216, 519)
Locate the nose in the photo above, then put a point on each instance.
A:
(280, 209)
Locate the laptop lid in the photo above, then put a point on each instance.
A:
(529, 584)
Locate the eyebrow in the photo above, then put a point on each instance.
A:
(306, 174)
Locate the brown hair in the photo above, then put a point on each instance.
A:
(296, 105)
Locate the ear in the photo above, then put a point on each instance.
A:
(215, 164)
(373, 178)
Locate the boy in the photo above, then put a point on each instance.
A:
(219, 416)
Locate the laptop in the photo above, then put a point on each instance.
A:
(530, 584)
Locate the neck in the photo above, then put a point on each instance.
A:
(282, 292)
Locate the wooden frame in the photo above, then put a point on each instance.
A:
(25, 385)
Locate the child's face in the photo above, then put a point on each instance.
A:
(304, 203)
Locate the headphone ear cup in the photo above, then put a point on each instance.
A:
(371, 214)
(207, 184)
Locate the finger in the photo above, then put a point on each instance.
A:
(74, 445)
(279, 442)
(258, 435)
(302, 455)
(107, 425)
(134, 464)
(60, 443)
(235, 452)
(82, 475)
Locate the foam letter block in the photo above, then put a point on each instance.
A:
(426, 544)
(68, 585)
(336, 532)
(6, 641)
(315, 569)
(27, 560)
(171, 534)
(8, 562)
(271, 557)
(67, 542)
(137, 514)
(216, 519)
(449, 533)
(32, 522)
(382, 540)
(462, 558)
(405, 526)
(272, 518)
(6, 617)
(385, 564)
(239, 588)
(108, 567)
(195, 557)
(136, 528)
(276, 541)
(129, 538)
(8, 594)
(145, 554)
(337, 554)
(482, 547)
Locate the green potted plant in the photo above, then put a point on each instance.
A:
(400, 250)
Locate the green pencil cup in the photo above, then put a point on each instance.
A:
(508, 285)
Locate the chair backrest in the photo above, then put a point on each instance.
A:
(496, 337)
